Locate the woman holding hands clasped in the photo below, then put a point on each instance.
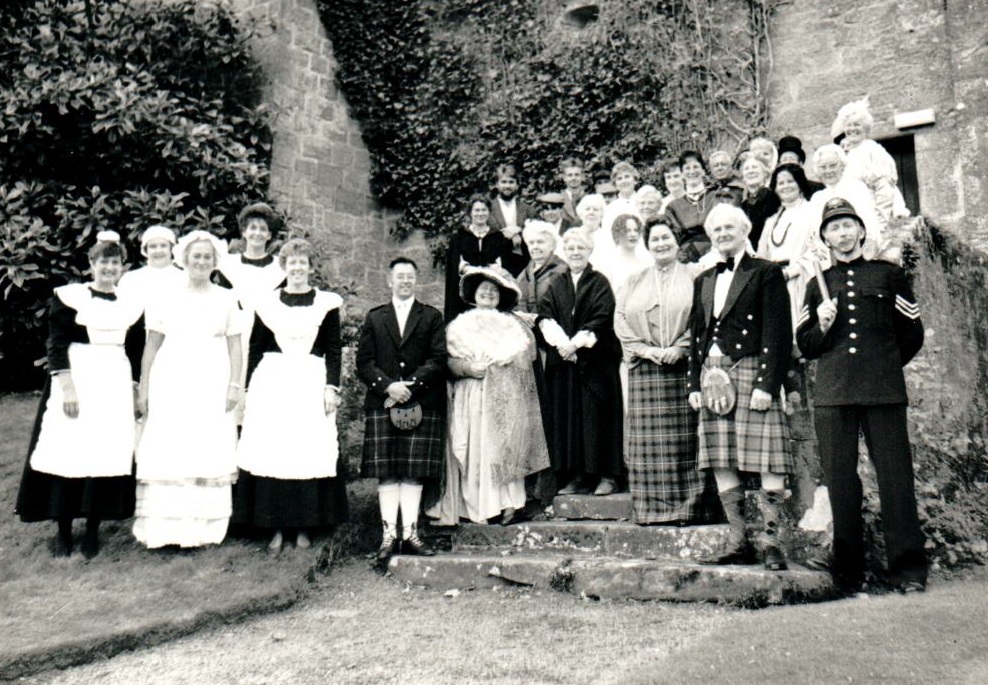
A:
(82, 452)
(186, 459)
(495, 428)
(288, 450)
(651, 321)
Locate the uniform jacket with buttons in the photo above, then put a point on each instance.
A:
(385, 356)
(876, 332)
(755, 322)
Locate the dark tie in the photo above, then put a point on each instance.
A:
(726, 265)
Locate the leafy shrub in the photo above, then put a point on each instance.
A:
(116, 115)
(446, 91)
(948, 389)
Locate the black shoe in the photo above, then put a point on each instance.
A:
(414, 546)
(388, 548)
(774, 560)
(574, 487)
(742, 554)
(512, 516)
(62, 548)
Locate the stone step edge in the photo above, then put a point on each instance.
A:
(614, 578)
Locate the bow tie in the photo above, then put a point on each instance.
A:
(726, 265)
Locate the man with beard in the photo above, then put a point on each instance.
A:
(508, 215)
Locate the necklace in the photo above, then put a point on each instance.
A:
(781, 241)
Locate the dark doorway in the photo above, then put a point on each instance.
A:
(903, 151)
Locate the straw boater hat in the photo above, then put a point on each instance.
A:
(473, 276)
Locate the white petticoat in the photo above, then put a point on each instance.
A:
(287, 433)
(100, 441)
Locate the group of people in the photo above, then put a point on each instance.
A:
(615, 339)
(145, 414)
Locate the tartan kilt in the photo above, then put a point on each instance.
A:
(390, 453)
(665, 484)
(746, 440)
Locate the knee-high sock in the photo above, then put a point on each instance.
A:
(411, 497)
(388, 499)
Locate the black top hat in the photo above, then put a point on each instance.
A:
(792, 144)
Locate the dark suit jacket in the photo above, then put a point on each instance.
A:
(569, 207)
(384, 357)
(523, 211)
(755, 322)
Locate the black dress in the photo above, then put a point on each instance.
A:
(467, 247)
(44, 493)
(292, 493)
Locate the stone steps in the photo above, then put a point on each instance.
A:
(590, 548)
(613, 578)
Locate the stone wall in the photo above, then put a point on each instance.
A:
(906, 55)
(320, 167)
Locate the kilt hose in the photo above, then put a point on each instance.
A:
(390, 453)
(666, 485)
(746, 440)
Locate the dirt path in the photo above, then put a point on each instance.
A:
(364, 629)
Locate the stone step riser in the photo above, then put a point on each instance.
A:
(618, 579)
(593, 539)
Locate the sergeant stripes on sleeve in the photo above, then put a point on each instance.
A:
(804, 314)
(906, 308)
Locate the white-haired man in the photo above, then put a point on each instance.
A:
(739, 353)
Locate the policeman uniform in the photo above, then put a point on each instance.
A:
(860, 386)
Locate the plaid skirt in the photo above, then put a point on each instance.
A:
(391, 453)
(746, 440)
(665, 484)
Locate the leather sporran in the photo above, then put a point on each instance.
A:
(406, 417)
(717, 391)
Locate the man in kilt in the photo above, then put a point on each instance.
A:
(402, 361)
(741, 332)
(863, 332)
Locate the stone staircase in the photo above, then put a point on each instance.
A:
(590, 548)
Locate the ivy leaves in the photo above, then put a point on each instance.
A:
(447, 91)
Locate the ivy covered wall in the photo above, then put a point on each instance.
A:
(446, 91)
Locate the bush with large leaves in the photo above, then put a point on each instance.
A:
(115, 115)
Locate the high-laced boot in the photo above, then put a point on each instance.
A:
(412, 544)
(770, 502)
(389, 544)
(63, 539)
(738, 549)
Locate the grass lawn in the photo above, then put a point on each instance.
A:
(361, 628)
(65, 608)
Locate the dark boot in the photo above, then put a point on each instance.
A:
(738, 549)
(414, 545)
(63, 540)
(770, 502)
(90, 543)
(389, 545)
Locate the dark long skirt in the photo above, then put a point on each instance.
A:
(274, 503)
(666, 485)
(47, 497)
(586, 432)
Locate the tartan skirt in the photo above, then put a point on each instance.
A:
(390, 453)
(666, 485)
(746, 440)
